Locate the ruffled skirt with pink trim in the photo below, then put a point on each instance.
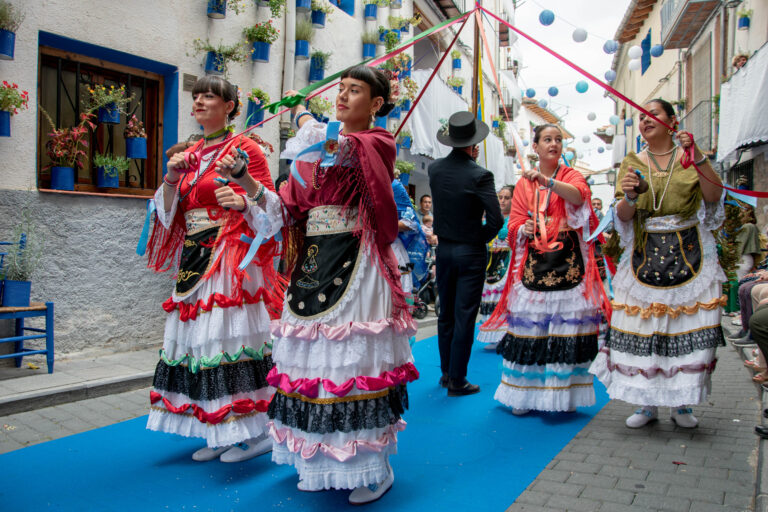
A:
(491, 295)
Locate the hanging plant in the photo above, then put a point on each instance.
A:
(21, 262)
(320, 13)
(264, 32)
(454, 81)
(12, 99)
(221, 55)
(66, 147)
(259, 97)
(320, 106)
(410, 88)
(276, 7)
(10, 20)
(398, 22)
(321, 59)
(404, 167)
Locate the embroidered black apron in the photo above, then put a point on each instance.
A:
(668, 259)
(558, 270)
(195, 259)
(497, 266)
(325, 268)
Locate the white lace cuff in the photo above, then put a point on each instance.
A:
(311, 132)
(578, 216)
(712, 215)
(166, 218)
(268, 220)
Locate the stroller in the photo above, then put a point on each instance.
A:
(425, 288)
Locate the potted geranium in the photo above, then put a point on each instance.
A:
(305, 31)
(743, 18)
(217, 9)
(109, 169)
(66, 147)
(135, 139)
(389, 38)
(320, 108)
(218, 57)
(402, 65)
(318, 64)
(21, 261)
(410, 88)
(405, 139)
(257, 100)
(405, 169)
(456, 82)
(10, 20)
(109, 102)
(455, 59)
(370, 38)
(320, 12)
(261, 35)
(12, 101)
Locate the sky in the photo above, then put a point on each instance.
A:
(540, 70)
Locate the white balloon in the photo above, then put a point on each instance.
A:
(579, 35)
(635, 52)
(585, 139)
(634, 65)
(591, 116)
(610, 131)
(609, 146)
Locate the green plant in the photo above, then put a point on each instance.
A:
(744, 13)
(398, 22)
(264, 32)
(237, 52)
(320, 5)
(304, 29)
(403, 134)
(13, 99)
(276, 7)
(103, 96)
(455, 54)
(258, 96)
(320, 106)
(113, 165)
(455, 81)
(411, 88)
(10, 16)
(134, 128)
(66, 146)
(370, 37)
(404, 167)
(391, 39)
(321, 58)
(716, 106)
(380, 3)
(236, 6)
(23, 259)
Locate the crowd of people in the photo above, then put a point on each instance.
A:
(310, 359)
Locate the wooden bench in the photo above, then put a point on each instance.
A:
(35, 309)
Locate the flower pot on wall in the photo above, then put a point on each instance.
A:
(7, 44)
(494, 124)
(456, 63)
(214, 65)
(104, 180)
(302, 49)
(316, 70)
(406, 143)
(369, 50)
(136, 147)
(255, 114)
(458, 88)
(381, 122)
(303, 5)
(16, 293)
(370, 12)
(63, 178)
(743, 23)
(395, 113)
(406, 106)
(396, 4)
(348, 6)
(318, 19)
(217, 9)
(109, 114)
(404, 73)
(260, 51)
(5, 123)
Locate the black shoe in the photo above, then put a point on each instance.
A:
(746, 341)
(761, 431)
(443, 381)
(765, 413)
(741, 334)
(462, 388)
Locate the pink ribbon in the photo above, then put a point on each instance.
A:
(342, 332)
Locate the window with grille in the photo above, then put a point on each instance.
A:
(64, 80)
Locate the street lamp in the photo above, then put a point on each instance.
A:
(610, 177)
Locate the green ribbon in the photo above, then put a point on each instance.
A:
(292, 101)
(204, 363)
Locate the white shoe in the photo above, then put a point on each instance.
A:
(643, 416)
(520, 412)
(206, 454)
(247, 450)
(684, 418)
(372, 492)
(302, 486)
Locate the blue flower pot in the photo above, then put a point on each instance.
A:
(381, 122)
(743, 23)
(369, 50)
(5, 123)
(303, 5)
(334, 2)
(406, 106)
(404, 178)
(136, 147)
(406, 143)
(456, 63)
(395, 113)
(255, 114)
(260, 51)
(348, 6)
(458, 88)
(217, 9)
(404, 73)
(370, 12)
(318, 19)
(63, 178)
(396, 4)
(302, 49)
(397, 149)
(213, 64)
(494, 124)
(16, 293)
(405, 29)
(316, 71)
(109, 114)
(7, 44)
(105, 181)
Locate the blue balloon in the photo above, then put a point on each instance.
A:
(525, 143)
(518, 166)
(543, 103)
(610, 46)
(530, 93)
(546, 17)
(569, 155)
(614, 119)
(610, 75)
(628, 122)
(657, 50)
(552, 91)
(600, 149)
(590, 181)
(582, 86)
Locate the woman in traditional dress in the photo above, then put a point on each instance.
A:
(660, 348)
(210, 381)
(342, 357)
(496, 274)
(553, 297)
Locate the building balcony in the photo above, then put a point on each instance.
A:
(452, 8)
(681, 20)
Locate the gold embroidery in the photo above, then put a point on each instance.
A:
(308, 267)
(528, 276)
(190, 243)
(336, 399)
(550, 279)
(658, 309)
(574, 272)
(186, 275)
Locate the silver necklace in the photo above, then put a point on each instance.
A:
(662, 154)
(669, 178)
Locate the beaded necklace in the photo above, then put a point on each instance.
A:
(667, 171)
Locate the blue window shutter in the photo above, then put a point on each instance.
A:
(645, 60)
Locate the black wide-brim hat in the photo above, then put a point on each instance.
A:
(463, 131)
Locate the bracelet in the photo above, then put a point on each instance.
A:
(703, 159)
(551, 183)
(258, 195)
(245, 204)
(170, 183)
(630, 202)
(306, 112)
(241, 173)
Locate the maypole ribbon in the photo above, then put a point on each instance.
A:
(329, 147)
(141, 247)
(607, 219)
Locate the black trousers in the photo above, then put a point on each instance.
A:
(460, 278)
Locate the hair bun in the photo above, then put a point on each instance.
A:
(385, 109)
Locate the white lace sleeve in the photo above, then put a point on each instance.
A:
(712, 215)
(578, 216)
(311, 132)
(266, 221)
(164, 217)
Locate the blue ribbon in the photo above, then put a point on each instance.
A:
(252, 250)
(329, 159)
(607, 219)
(141, 247)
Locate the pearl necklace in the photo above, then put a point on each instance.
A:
(669, 178)
(661, 154)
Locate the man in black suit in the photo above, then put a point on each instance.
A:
(462, 192)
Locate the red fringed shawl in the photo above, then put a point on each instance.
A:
(523, 202)
(164, 246)
(365, 184)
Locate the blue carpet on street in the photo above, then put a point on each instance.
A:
(466, 453)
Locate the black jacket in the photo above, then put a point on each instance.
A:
(461, 192)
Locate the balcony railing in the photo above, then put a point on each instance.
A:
(681, 20)
(699, 122)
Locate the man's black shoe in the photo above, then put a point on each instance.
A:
(746, 341)
(462, 388)
(443, 381)
(741, 334)
(765, 413)
(759, 430)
